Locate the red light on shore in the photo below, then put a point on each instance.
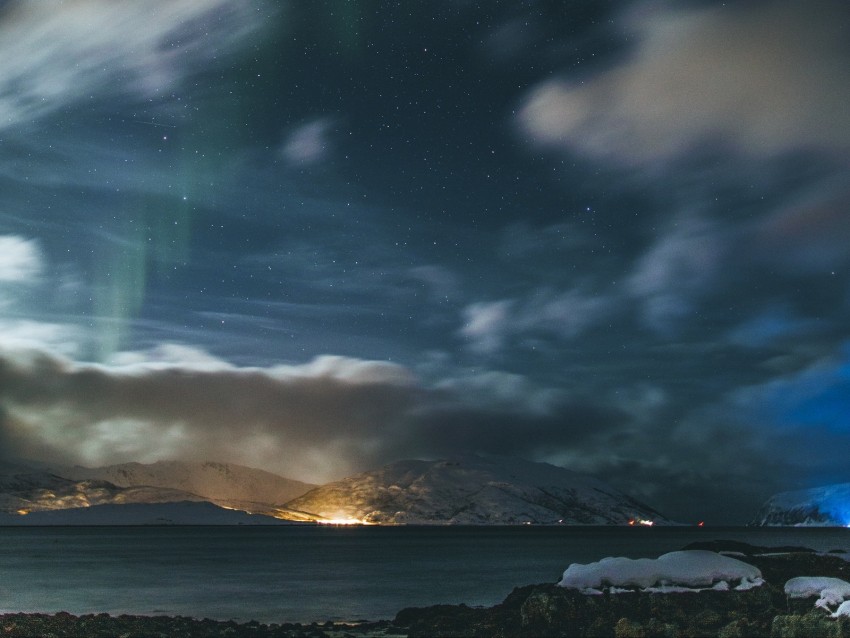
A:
(632, 522)
(701, 524)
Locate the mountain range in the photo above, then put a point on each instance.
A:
(828, 505)
(25, 489)
(469, 490)
(228, 485)
(473, 491)
(173, 513)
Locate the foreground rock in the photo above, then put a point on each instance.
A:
(549, 610)
(533, 611)
(63, 625)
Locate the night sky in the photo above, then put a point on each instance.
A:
(316, 236)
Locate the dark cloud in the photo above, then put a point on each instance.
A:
(808, 237)
(334, 416)
(444, 431)
(7, 451)
(96, 414)
(350, 413)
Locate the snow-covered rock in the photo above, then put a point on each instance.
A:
(688, 570)
(843, 610)
(472, 491)
(830, 591)
(824, 506)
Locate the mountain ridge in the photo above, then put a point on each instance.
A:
(226, 484)
(468, 490)
(825, 506)
(26, 489)
(474, 491)
(169, 513)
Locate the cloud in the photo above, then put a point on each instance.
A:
(272, 417)
(562, 314)
(309, 143)
(499, 391)
(810, 399)
(316, 421)
(698, 271)
(58, 53)
(26, 334)
(677, 270)
(167, 355)
(808, 236)
(442, 283)
(789, 432)
(521, 241)
(749, 264)
(22, 288)
(349, 370)
(21, 260)
(566, 314)
(762, 79)
(772, 325)
(486, 324)
(452, 429)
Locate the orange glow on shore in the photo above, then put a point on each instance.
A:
(342, 521)
(23, 512)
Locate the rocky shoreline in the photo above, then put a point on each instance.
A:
(530, 611)
(548, 610)
(65, 625)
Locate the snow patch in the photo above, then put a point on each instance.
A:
(688, 570)
(830, 591)
(843, 610)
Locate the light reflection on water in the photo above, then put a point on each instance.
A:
(287, 574)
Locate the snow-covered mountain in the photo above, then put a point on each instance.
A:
(176, 513)
(823, 506)
(472, 491)
(469, 490)
(225, 484)
(25, 489)
(31, 488)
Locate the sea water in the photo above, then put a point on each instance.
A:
(305, 574)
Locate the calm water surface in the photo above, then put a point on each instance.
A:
(288, 574)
